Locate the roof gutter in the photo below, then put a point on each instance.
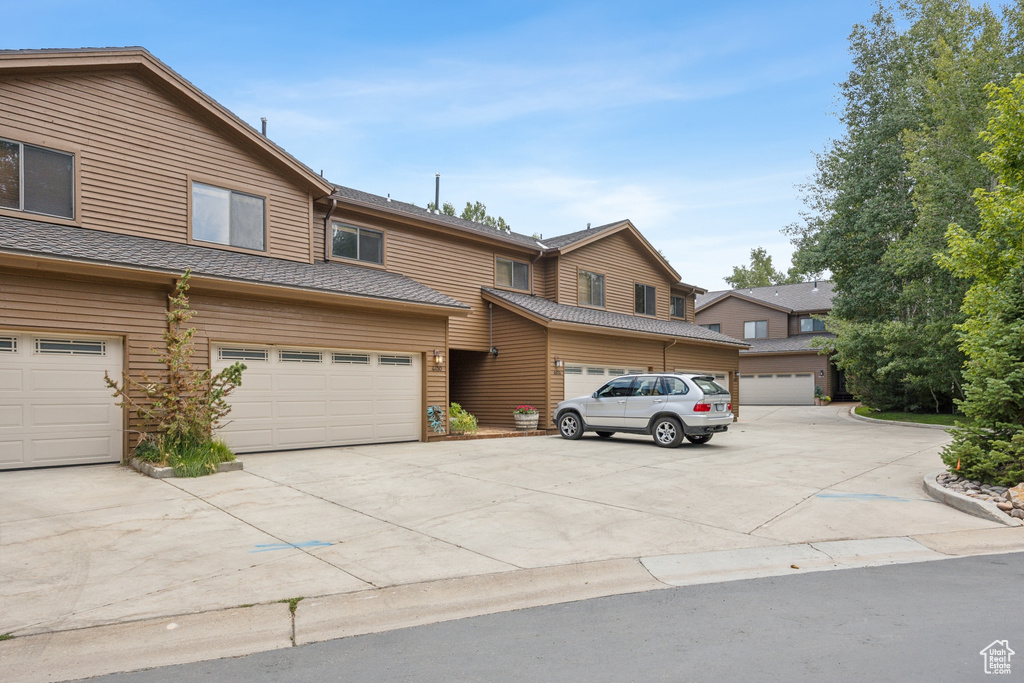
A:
(327, 228)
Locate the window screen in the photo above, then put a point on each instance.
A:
(591, 289)
(755, 329)
(227, 217)
(645, 300)
(10, 174)
(811, 325)
(678, 307)
(513, 274)
(37, 179)
(358, 244)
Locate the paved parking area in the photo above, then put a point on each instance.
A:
(98, 545)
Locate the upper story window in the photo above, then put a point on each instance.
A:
(755, 329)
(36, 179)
(358, 244)
(591, 289)
(811, 325)
(645, 300)
(227, 217)
(714, 327)
(678, 307)
(512, 274)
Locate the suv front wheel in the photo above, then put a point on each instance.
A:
(570, 426)
(667, 432)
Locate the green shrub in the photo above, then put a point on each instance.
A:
(459, 421)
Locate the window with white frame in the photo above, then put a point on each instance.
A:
(512, 274)
(646, 303)
(234, 219)
(37, 179)
(591, 289)
(755, 329)
(358, 244)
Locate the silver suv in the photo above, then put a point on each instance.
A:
(668, 406)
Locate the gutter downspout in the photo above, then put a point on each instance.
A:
(327, 230)
(664, 355)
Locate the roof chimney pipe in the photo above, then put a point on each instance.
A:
(437, 193)
(588, 226)
(263, 119)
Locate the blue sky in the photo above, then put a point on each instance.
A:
(695, 120)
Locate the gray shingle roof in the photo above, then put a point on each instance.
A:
(796, 344)
(81, 244)
(570, 238)
(549, 310)
(421, 212)
(798, 298)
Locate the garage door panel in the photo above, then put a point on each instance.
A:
(12, 453)
(301, 409)
(11, 379)
(353, 433)
(354, 383)
(70, 450)
(352, 408)
(301, 380)
(255, 410)
(70, 415)
(66, 380)
(244, 438)
(11, 416)
(292, 437)
(257, 380)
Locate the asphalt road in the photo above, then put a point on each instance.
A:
(912, 622)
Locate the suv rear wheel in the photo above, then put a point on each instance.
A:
(570, 426)
(667, 432)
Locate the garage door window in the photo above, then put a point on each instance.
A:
(71, 347)
(301, 357)
(395, 360)
(243, 354)
(573, 370)
(8, 345)
(351, 358)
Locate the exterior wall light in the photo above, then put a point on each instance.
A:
(821, 373)
(559, 362)
(438, 356)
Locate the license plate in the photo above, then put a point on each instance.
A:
(719, 407)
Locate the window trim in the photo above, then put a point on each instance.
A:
(358, 225)
(217, 183)
(670, 313)
(604, 292)
(813, 320)
(766, 330)
(529, 274)
(76, 173)
(655, 288)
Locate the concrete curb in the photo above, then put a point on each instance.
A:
(155, 472)
(979, 508)
(892, 423)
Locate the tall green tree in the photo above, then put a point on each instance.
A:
(761, 272)
(474, 211)
(992, 258)
(884, 192)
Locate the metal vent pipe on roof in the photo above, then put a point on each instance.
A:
(263, 119)
(437, 193)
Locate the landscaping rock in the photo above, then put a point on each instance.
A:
(1016, 495)
(1008, 500)
(1019, 514)
(1005, 507)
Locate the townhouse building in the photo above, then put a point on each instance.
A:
(354, 313)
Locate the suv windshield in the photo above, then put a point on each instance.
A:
(708, 385)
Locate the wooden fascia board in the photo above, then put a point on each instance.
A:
(599, 329)
(688, 288)
(44, 264)
(807, 352)
(427, 222)
(743, 297)
(624, 225)
(142, 59)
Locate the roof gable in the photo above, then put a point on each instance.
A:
(582, 238)
(140, 60)
(802, 297)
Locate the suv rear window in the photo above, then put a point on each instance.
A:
(708, 385)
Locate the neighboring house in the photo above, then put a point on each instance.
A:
(354, 313)
(781, 367)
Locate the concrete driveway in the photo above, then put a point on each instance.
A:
(100, 545)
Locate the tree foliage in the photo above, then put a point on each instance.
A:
(180, 407)
(474, 211)
(761, 273)
(992, 334)
(884, 193)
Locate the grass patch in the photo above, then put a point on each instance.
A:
(943, 419)
(188, 459)
(6, 636)
(293, 603)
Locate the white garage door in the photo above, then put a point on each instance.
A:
(792, 389)
(54, 407)
(583, 380)
(308, 398)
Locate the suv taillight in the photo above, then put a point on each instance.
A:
(728, 406)
(702, 408)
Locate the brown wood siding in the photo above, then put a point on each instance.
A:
(546, 284)
(136, 148)
(731, 313)
(451, 264)
(138, 313)
(623, 262)
(490, 388)
(790, 362)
